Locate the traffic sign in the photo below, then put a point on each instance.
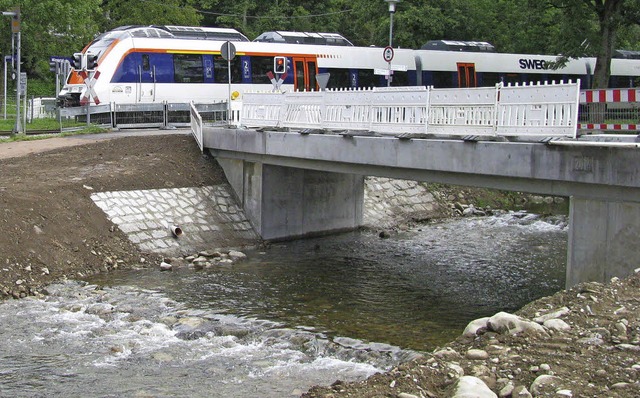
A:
(90, 81)
(387, 54)
(228, 51)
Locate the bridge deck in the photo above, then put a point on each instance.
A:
(607, 171)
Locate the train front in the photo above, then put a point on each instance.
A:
(77, 90)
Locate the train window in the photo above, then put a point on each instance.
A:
(260, 66)
(511, 78)
(443, 80)
(538, 78)
(221, 71)
(573, 78)
(339, 78)
(366, 78)
(188, 68)
(146, 65)
(490, 79)
(466, 75)
(400, 78)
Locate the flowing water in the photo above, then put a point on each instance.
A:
(292, 316)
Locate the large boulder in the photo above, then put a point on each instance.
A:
(505, 323)
(472, 387)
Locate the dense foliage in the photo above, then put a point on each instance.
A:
(569, 27)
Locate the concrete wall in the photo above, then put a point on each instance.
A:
(603, 240)
(285, 202)
(298, 202)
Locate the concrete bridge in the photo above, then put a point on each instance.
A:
(295, 183)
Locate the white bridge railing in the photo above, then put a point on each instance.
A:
(195, 122)
(549, 110)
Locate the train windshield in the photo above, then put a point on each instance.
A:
(102, 42)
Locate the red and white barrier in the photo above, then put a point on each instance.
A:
(605, 126)
(610, 95)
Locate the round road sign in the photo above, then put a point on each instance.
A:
(228, 51)
(387, 54)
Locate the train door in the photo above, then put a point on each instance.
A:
(466, 75)
(147, 84)
(305, 70)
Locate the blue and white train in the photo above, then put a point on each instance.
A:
(183, 64)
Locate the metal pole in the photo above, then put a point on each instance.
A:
(391, 29)
(58, 66)
(89, 100)
(229, 98)
(5, 88)
(390, 76)
(18, 127)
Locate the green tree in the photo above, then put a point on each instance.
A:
(49, 28)
(591, 28)
(150, 12)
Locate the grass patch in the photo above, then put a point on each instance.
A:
(7, 125)
(82, 131)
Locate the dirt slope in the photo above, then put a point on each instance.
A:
(50, 227)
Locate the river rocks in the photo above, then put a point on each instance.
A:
(476, 354)
(546, 385)
(557, 325)
(552, 315)
(204, 259)
(235, 255)
(475, 327)
(472, 387)
(504, 322)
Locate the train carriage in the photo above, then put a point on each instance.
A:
(175, 64)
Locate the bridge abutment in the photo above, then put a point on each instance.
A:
(603, 240)
(285, 202)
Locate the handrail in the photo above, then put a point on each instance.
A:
(196, 125)
(548, 110)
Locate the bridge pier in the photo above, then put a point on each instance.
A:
(603, 240)
(286, 202)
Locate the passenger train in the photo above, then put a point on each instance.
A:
(182, 64)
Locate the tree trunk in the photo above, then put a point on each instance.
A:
(609, 17)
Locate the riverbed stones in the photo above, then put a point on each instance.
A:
(472, 387)
(212, 258)
(557, 325)
(235, 255)
(552, 315)
(546, 385)
(477, 354)
(503, 323)
(475, 327)
(506, 323)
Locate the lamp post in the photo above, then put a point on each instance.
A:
(392, 10)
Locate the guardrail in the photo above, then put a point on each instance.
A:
(152, 115)
(196, 125)
(548, 110)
